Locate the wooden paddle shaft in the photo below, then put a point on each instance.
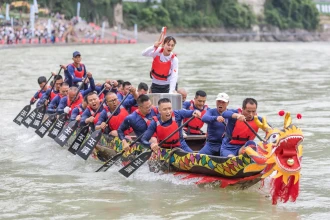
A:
(254, 132)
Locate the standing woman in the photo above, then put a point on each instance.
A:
(164, 70)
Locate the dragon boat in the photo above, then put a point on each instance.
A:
(280, 154)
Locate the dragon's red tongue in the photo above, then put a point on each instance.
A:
(287, 154)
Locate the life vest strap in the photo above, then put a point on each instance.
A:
(158, 75)
(241, 139)
(170, 142)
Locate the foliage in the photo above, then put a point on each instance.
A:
(292, 14)
(189, 14)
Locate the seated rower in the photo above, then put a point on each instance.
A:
(58, 80)
(238, 133)
(118, 116)
(194, 126)
(215, 125)
(66, 101)
(42, 82)
(78, 110)
(122, 93)
(89, 115)
(165, 123)
(139, 120)
(131, 101)
(183, 93)
(53, 105)
(120, 88)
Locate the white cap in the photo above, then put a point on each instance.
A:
(222, 97)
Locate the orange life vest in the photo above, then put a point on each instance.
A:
(164, 132)
(81, 110)
(161, 70)
(77, 102)
(241, 133)
(52, 95)
(143, 117)
(96, 117)
(195, 125)
(116, 120)
(77, 73)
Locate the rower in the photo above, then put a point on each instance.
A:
(89, 115)
(131, 101)
(78, 110)
(52, 107)
(139, 120)
(76, 71)
(42, 82)
(58, 83)
(118, 116)
(120, 89)
(183, 93)
(121, 94)
(238, 134)
(194, 126)
(65, 101)
(215, 125)
(165, 123)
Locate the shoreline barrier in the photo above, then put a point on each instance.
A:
(58, 41)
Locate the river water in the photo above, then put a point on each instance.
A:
(41, 180)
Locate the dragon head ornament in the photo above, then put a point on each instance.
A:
(280, 154)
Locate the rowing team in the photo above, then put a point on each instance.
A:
(227, 129)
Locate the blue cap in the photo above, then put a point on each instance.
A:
(76, 53)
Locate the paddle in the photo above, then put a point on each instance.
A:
(36, 122)
(46, 125)
(79, 139)
(130, 168)
(23, 113)
(28, 120)
(92, 140)
(254, 132)
(75, 145)
(115, 158)
(60, 122)
(39, 117)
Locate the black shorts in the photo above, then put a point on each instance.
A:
(159, 88)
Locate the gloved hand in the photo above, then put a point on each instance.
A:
(67, 109)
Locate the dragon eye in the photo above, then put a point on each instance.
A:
(273, 138)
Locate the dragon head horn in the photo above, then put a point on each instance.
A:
(263, 125)
(287, 120)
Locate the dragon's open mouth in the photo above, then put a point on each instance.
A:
(287, 153)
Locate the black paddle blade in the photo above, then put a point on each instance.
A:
(44, 127)
(38, 119)
(110, 162)
(57, 128)
(66, 133)
(130, 168)
(23, 113)
(78, 140)
(28, 120)
(88, 147)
